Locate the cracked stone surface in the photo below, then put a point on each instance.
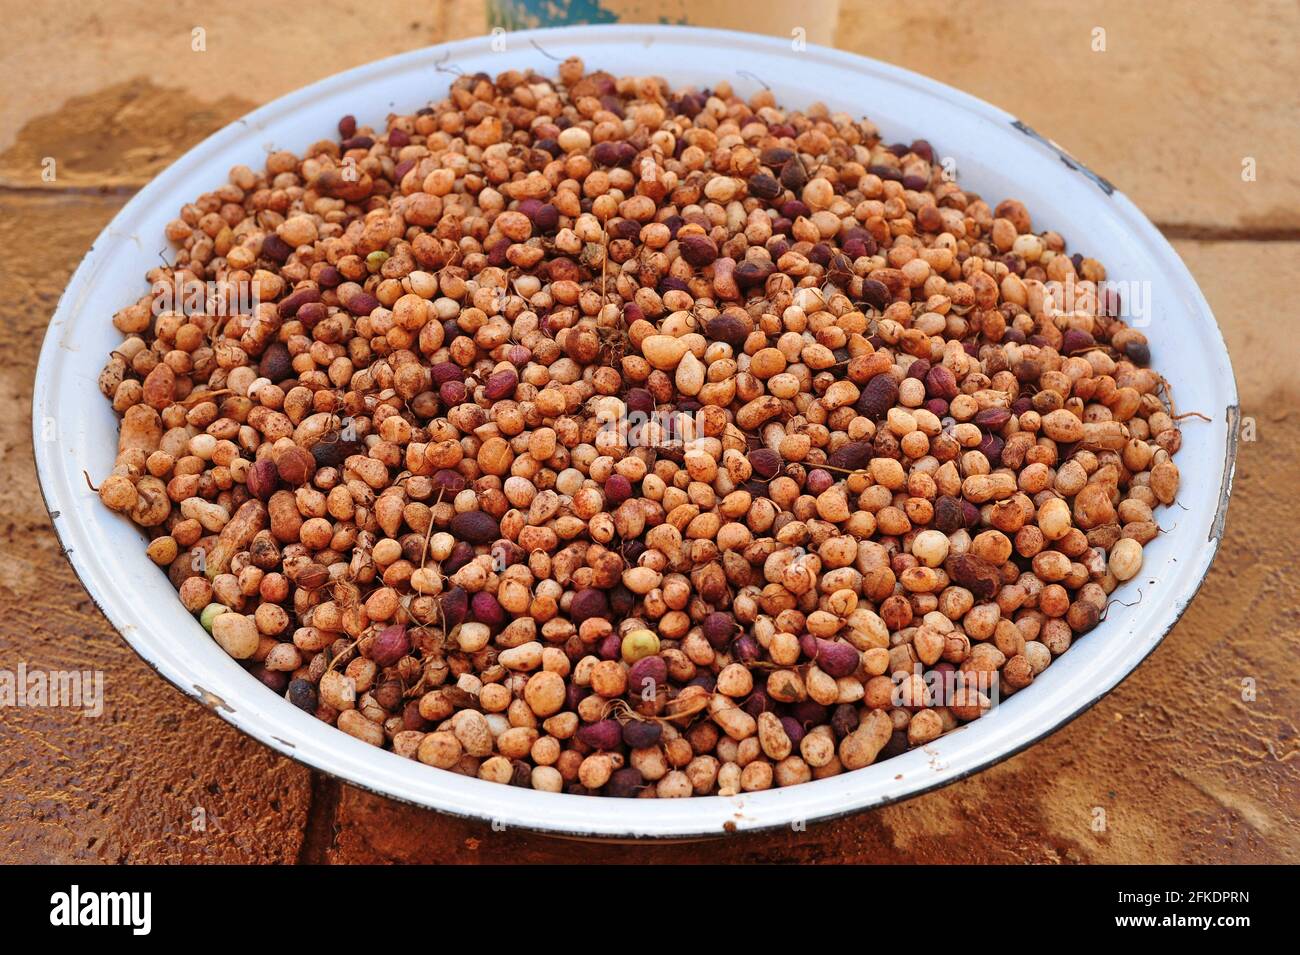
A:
(1184, 768)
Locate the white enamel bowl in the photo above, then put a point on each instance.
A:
(995, 156)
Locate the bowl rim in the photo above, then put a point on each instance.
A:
(579, 818)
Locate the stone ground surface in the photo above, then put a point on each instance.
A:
(1186, 771)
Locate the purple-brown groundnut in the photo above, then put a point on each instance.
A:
(765, 463)
(454, 605)
(706, 680)
(477, 527)
(448, 481)
(453, 392)
(446, 371)
(639, 734)
(501, 385)
(793, 729)
(809, 713)
(940, 382)
(819, 480)
(574, 694)
(991, 447)
(646, 675)
(486, 610)
(757, 702)
(719, 628)
(390, 645)
(617, 489)
(601, 735)
(588, 603)
(610, 647)
(851, 456)
(625, 783)
(878, 396)
(844, 720)
(747, 649)
(461, 554)
(836, 658)
(949, 516)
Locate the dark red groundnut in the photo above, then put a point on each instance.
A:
(834, 657)
(875, 293)
(940, 382)
(486, 610)
(809, 712)
(448, 481)
(276, 364)
(747, 649)
(698, 250)
(501, 385)
(852, 456)
(275, 248)
(625, 783)
(725, 328)
(640, 401)
(646, 675)
(263, 479)
(446, 371)
(477, 527)
(793, 729)
(574, 694)
(610, 648)
(332, 450)
(617, 489)
(719, 629)
(844, 720)
(640, 734)
(1076, 340)
(274, 680)
(765, 463)
(454, 605)
(878, 396)
(290, 304)
(390, 645)
(991, 447)
(758, 702)
(453, 393)
(602, 735)
(588, 603)
(362, 303)
(706, 680)
(819, 480)
(461, 554)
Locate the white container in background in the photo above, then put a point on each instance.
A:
(75, 429)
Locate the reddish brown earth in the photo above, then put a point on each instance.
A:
(1185, 769)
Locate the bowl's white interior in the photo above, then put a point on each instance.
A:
(993, 159)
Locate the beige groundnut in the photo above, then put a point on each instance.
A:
(1054, 519)
(237, 634)
(773, 737)
(441, 749)
(1125, 559)
(861, 747)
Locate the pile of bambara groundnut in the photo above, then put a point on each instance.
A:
(603, 438)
